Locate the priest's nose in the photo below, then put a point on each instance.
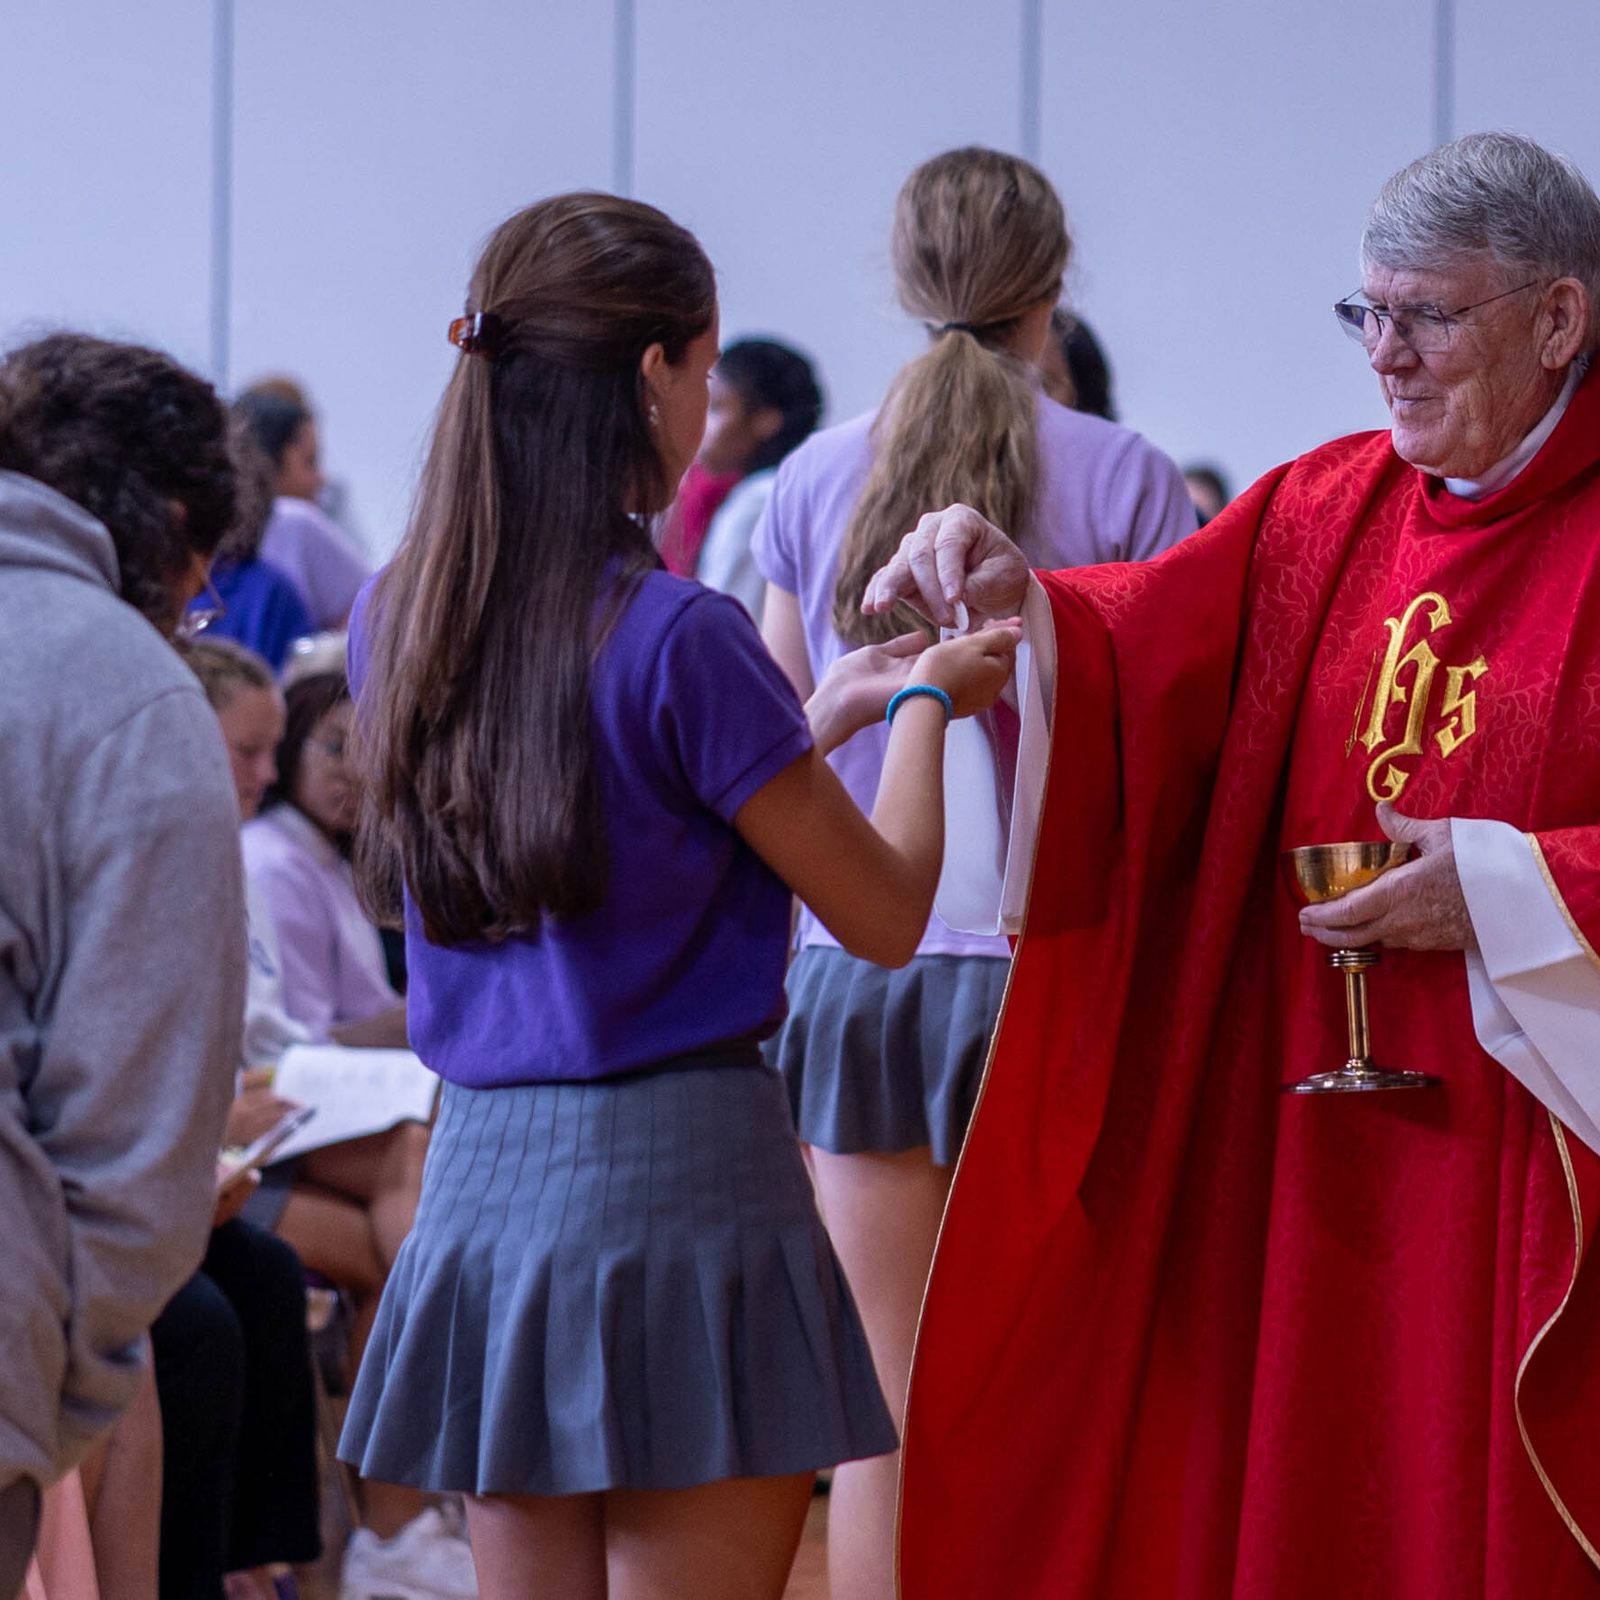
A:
(1391, 353)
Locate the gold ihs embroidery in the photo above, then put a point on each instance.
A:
(1405, 679)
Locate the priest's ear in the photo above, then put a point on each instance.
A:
(1564, 323)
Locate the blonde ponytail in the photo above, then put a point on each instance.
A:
(979, 239)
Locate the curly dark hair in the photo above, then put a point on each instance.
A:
(129, 435)
(764, 372)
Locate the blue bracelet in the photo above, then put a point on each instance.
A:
(911, 690)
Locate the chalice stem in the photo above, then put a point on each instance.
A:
(1355, 1005)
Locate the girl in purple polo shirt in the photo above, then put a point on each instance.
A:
(617, 1326)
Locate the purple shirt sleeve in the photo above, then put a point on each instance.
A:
(1147, 499)
(355, 650)
(772, 544)
(309, 547)
(726, 718)
(1164, 512)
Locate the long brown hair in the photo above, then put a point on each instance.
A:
(979, 239)
(481, 791)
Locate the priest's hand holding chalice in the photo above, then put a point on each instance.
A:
(1401, 891)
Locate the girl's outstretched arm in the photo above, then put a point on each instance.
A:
(872, 883)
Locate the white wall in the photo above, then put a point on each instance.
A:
(781, 134)
(1531, 69)
(375, 146)
(1217, 164)
(1216, 161)
(105, 171)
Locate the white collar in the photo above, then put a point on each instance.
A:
(1502, 472)
(290, 820)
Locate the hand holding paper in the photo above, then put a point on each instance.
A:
(353, 1092)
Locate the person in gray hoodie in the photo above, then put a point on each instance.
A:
(122, 946)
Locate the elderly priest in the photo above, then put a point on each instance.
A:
(1189, 1335)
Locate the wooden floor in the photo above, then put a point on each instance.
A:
(808, 1581)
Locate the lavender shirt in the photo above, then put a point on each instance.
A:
(302, 541)
(690, 717)
(330, 954)
(1105, 494)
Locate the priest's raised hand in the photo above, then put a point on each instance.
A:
(951, 556)
(1416, 906)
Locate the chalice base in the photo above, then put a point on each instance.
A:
(1359, 1077)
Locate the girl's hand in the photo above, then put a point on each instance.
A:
(254, 1110)
(855, 691)
(973, 669)
(233, 1190)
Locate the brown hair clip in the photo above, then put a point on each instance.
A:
(477, 335)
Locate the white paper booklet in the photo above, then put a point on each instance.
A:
(354, 1092)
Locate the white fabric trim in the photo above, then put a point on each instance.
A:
(1535, 990)
(1502, 472)
(990, 837)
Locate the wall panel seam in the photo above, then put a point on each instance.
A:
(221, 190)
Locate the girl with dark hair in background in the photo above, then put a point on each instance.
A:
(883, 1067)
(617, 1325)
(764, 402)
(1077, 373)
(262, 608)
(299, 537)
(297, 855)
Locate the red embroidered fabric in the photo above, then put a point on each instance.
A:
(1187, 1336)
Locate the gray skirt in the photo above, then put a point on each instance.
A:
(881, 1059)
(619, 1284)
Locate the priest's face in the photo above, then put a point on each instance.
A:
(1459, 409)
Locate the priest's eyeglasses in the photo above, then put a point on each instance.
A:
(1425, 329)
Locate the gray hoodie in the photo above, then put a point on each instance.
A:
(122, 954)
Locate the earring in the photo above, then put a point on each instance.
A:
(655, 415)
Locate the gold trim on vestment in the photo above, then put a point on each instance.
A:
(1555, 894)
(988, 1063)
(1527, 1355)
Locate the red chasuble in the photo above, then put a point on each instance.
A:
(1188, 1336)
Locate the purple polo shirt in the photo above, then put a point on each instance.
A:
(690, 718)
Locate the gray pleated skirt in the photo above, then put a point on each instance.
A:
(620, 1284)
(881, 1059)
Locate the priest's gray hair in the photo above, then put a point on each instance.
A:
(1499, 194)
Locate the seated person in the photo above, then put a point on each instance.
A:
(238, 1463)
(345, 1208)
(251, 599)
(300, 537)
(296, 854)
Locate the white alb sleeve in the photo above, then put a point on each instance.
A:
(990, 835)
(1535, 986)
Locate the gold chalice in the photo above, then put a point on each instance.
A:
(1319, 872)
